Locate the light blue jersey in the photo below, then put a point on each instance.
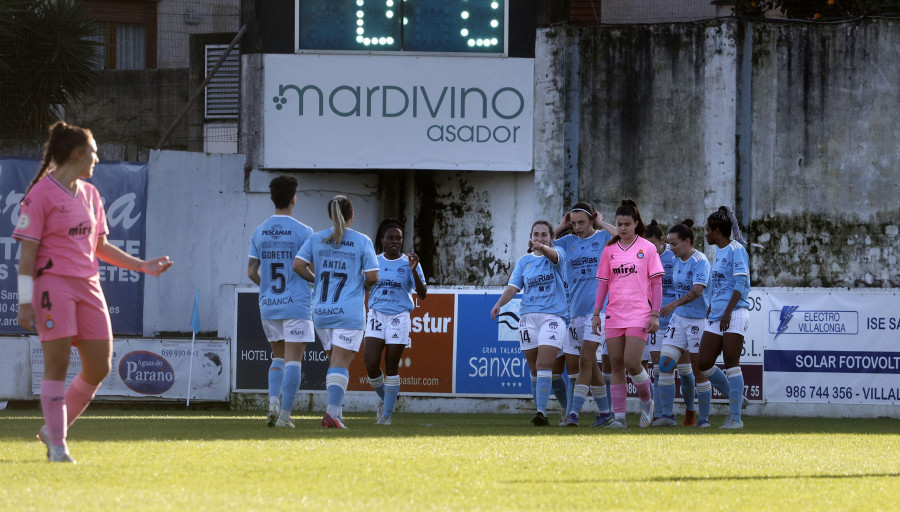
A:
(730, 270)
(392, 294)
(667, 258)
(339, 293)
(283, 295)
(686, 274)
(543, 284)
(583, 256)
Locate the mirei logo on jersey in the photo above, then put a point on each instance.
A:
(82, 230)
(625, 269)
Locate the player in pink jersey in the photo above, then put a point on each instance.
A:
(62, 229)
(631, 273)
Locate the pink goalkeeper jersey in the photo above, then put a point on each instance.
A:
(628, 271)
(66, 227)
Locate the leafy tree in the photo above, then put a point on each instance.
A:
(46, 62)
(818, 9)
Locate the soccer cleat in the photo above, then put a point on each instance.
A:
(274, 412)
(690, 419)
(280, 423)
(539, 420)
(563, 420)
(603, 419)
(44, 437)
(331, 422)
(732, 424)
(59, 454)
(703, 424)
(380, 412)
(646, 414)
(384, 420)
(617, 424)
(572, 420)
(664, 421)
(744, 402)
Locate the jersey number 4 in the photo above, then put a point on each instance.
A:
(339, 278)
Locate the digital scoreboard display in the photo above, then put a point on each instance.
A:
(458, 26)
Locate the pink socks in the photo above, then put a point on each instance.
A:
(54, 407)
(78, 396)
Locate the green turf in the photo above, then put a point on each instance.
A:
(215, 460)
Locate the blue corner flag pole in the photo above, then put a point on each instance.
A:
(195, 327)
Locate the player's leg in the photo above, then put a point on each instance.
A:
(276, 370)
(688, 387)
(606, 369)
(634, 350)
(557, 383)
(344, 344)
(616, 345)
(53, 390)
(732, 346)
(392, 355)
(587, 360)
(669, 357)
(373, 348)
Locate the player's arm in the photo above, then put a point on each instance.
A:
(507, 296)
(115, 256)
(253, 270)
(304, 269)
(564, 224)
(688, 297)
(371, 278)
(26, 283)
(599, 223)
(421, 289)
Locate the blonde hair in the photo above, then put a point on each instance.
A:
(340, 210)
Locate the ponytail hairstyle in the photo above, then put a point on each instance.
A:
(629, 208)
(385, 225)
(536, 223)
(684, 231)
(340, 210)
(64, 138)
(724, 221)
(653, 230)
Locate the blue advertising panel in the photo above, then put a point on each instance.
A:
(488, 358)
(123, 188)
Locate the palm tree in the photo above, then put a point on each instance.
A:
(46, 62)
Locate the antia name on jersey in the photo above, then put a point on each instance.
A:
(334, 265)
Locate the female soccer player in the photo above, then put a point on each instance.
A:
(388, 322)
(62, 227)
(284, 298)
(583, 248)
(345, 264)
(654, 235)
(688, 319)
(729, 315)
(631, 273)
(541, 276)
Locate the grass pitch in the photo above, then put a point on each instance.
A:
(215, 460)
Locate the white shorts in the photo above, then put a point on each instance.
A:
(393, 329)
(291, 331)
(348, 339)
(649, 345)
(685, 333)
(740, 323)
(581, 330)
(541, 329)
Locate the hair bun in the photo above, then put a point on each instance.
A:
(688, 222)
(654, 223)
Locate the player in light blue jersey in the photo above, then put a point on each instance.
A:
(654, 340)
(729, 316)
(284, 298)
(583, 248)
(388, 321)
(541, 277)
(345, 265)
(681, 342)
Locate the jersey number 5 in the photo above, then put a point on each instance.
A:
(279, 282)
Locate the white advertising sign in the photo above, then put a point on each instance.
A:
(154, 368)
(834, 347)
(398, 112)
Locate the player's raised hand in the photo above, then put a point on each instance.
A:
(156, 266)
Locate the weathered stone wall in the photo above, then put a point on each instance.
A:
(794, 125)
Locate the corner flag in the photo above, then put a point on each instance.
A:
(195, 317)
(195, 326)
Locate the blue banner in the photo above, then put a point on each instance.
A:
(123, 187)
(488, 358)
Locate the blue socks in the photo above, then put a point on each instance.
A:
(336, 380)
(688, 383)
(600, 398)
(718, 379)
(704, 396)
(378, 385)
(654, 387)
(534, 388)
(570, 393)
(736, 391)
(276, 375)
(579, 396)
(607, 378)
(391, 391)
(559, 390)
(543, 385)
(290, 384)
(666, 394)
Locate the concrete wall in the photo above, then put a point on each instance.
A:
(793, 124)
(173, 33)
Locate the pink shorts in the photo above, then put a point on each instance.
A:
(70, 307)
(619, 332)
